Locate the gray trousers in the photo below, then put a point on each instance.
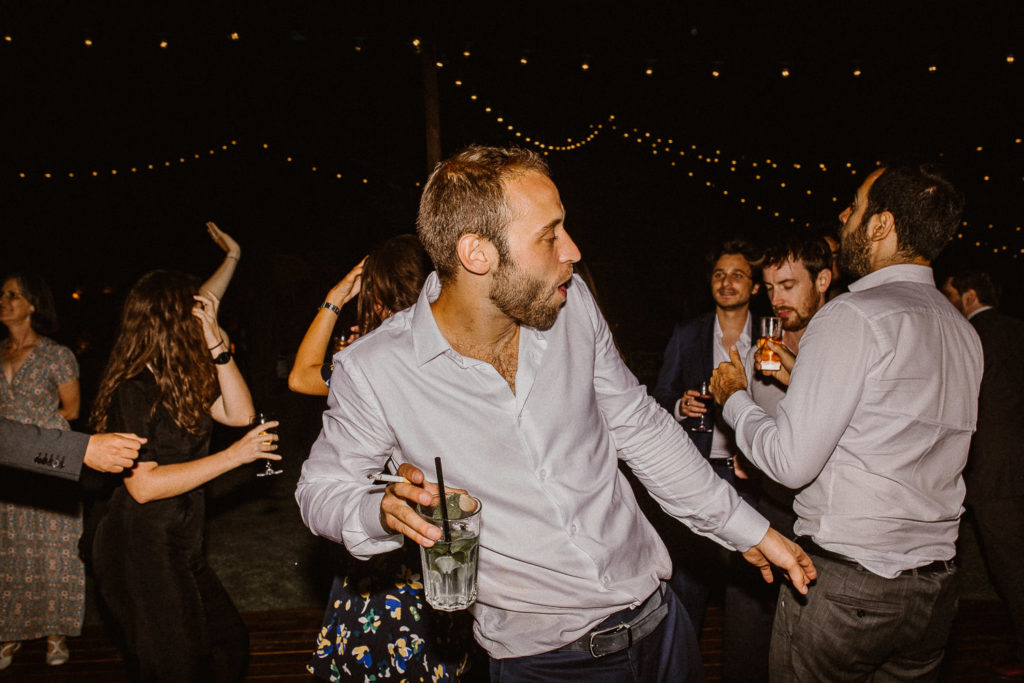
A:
(857, 626)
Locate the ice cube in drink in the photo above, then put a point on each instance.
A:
(450, 565)
(450, 571)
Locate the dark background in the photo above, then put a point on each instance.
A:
(252, 133)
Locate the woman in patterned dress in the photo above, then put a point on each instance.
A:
(377, 625)
(42, 579)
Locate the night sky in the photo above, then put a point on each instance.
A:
(338, 86)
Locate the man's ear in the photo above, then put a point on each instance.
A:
(884, 225)
(969, 299)
(824, 280)
(755, 289)
(476, 253)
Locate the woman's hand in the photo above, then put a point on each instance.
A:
(224, 240)
(258, 443)
(348, 288)
(206, 311)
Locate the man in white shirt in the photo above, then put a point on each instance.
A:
(874, 431)
(506, 369)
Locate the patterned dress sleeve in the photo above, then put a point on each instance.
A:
(65, 366)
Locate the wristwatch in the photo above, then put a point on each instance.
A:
(223, 358)
(330, 307)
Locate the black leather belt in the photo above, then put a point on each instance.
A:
(604, 641)
(812, 548)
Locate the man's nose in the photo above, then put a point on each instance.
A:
(570, 252)
(844, 215)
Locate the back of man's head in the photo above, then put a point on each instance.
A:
(466, 194)
(925, 206)
(984, 287)
(806, 246)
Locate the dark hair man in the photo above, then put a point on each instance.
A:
(506, 369)
(874, 432)
(694, 349)
(995, 467)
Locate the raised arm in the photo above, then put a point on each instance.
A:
(221, 278)
(305, 377)
(234, 405)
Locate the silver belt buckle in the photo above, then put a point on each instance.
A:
(607, 631)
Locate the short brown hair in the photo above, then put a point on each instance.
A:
(466, 194)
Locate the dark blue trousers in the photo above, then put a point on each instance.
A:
(668, 655)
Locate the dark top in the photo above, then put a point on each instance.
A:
(179, 519)
(689, 360)
(995, 467)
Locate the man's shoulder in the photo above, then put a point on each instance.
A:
(994, 319)
(394, 338)
(696, 325)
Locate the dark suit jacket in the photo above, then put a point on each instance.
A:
(47, 451)
(995, 467)
(689, 360)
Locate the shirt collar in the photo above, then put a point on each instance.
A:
(903, 272)
(976, 311)
(428, 342)
(744, 335)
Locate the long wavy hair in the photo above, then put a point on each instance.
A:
(159, 332)
(393, 276)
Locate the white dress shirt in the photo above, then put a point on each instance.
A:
(876, 423)
(563, 542)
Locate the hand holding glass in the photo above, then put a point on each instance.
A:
(771, 328)
(269, 471)
(449, 566)
(704, 423)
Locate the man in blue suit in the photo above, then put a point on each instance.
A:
(694, 350)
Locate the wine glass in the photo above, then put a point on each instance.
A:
(269, 471)
(703, 422)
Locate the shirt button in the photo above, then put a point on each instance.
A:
(605, 580)
(572, 529)
(543, 474)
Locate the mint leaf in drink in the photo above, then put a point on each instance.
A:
(452, 503)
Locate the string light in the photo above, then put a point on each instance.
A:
(88, 42)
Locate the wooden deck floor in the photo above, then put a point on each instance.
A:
(282, 639)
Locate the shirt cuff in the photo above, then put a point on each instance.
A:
(677, 412)
(378, 538)
(735, 406)
(744, 529)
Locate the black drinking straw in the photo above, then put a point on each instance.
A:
(444, 500)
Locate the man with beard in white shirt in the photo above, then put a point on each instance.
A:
(874, 432)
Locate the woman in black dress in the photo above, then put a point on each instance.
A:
(169, 374)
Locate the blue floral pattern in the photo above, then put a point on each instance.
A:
(379, 628)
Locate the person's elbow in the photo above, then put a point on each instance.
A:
(140, 492)
(303, 380)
